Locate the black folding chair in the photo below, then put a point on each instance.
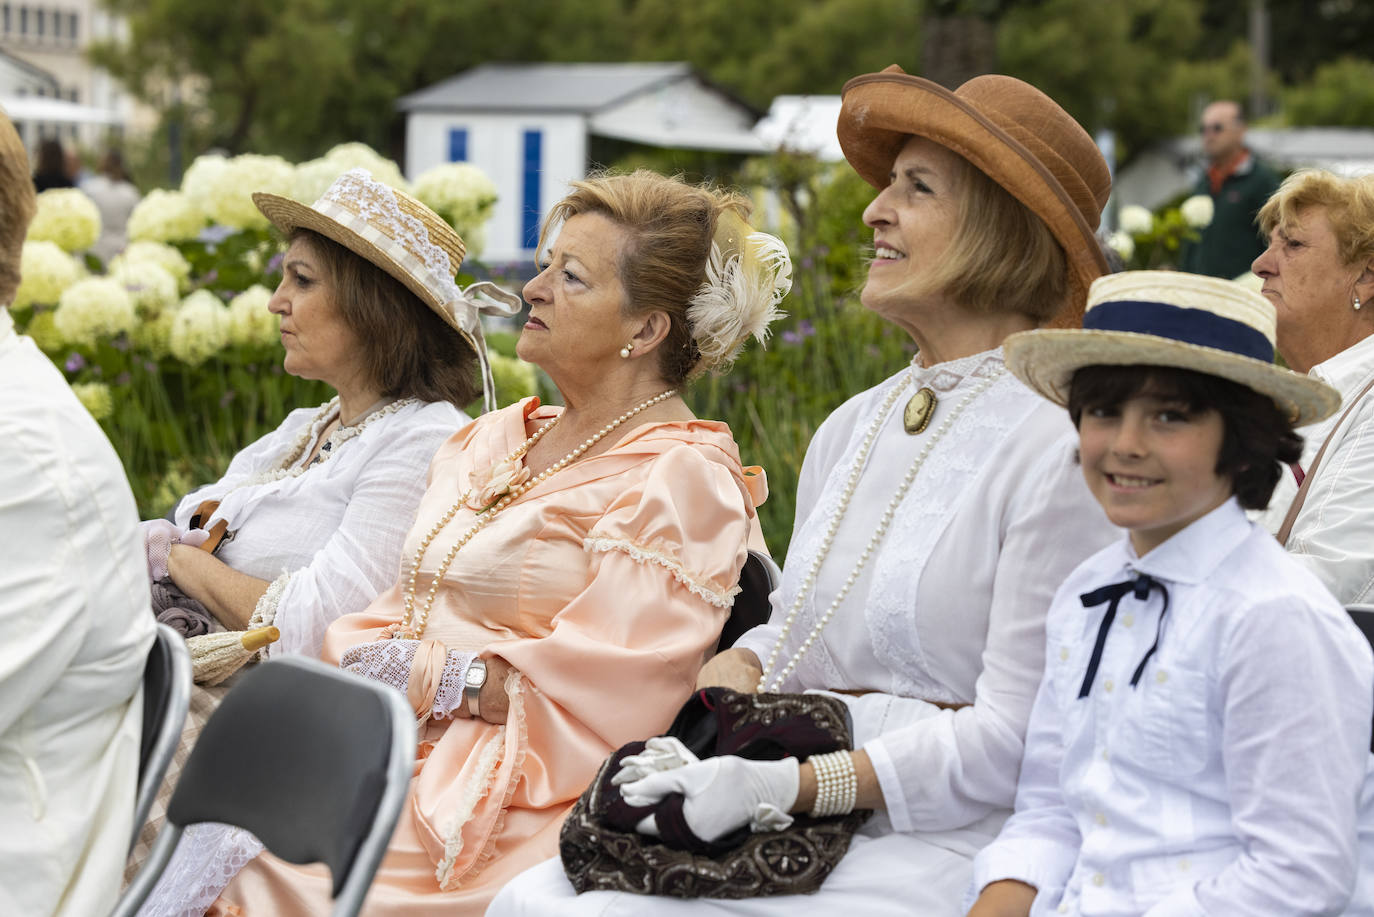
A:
(1364, 619)
(339, 750)
(166, 697)
(757, 581)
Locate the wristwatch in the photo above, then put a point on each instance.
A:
(473, 681)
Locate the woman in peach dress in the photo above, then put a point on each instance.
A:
(569, 570)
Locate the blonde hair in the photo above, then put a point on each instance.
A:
(1347, 203)
(17, 205)
(670, 225)
(1002, 257)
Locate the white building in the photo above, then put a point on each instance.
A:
(528, 127)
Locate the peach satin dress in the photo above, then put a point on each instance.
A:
(605, 587)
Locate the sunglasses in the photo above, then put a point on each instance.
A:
(1211, 128)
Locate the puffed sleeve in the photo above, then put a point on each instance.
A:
(249, 461)
(362, 555)
(622, 656)
(947, 768)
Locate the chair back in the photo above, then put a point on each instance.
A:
(314, 761)
(1363, 616)
(757, 581)
(166, 697)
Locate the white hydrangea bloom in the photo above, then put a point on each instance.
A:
(92, 309)
(223, 188)
(1122, 243)
(94, 397)
(1136, 219)
(46, 271)
(249, 321)
(514, 378)
(165, 216)
(44, 332)
(161, 254)
(313, 178)
(1197, 210)
(149, 284)
(200, 328)
(154, 336)
(361, 156)
(68, 217)
(463, 195)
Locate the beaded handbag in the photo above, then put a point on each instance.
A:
(601, 850)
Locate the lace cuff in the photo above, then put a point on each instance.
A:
(449, 697)
(265, 612)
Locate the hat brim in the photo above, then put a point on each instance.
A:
(288, 215)
(882, 110)
(1046, 361)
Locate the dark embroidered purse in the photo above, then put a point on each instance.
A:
(601, 851)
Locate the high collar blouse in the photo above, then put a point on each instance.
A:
(1334, 533)
(329, 539)
(1235, 776)
(949, 610)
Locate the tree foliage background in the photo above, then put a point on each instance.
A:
(296, 76)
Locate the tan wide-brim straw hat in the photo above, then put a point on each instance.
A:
(1169, 318)
(1009, 130)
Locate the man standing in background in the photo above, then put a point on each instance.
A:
(1238, 184)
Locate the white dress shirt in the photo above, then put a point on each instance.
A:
(76, 624)
(951, 601)
(1234, 778)
(1334, 533)
(334, 532)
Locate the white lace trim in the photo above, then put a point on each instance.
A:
(703, 589)
(357, 192)
(205, 862)
(488, 760)
(290, 465)
(265, 612)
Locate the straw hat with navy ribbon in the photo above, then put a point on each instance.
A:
(1169, 318)
(410, 242)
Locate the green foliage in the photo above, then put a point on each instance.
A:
(1340, 93)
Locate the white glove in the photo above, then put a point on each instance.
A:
(390, 662)
(158, 537)
(661, 753)
(722, 794)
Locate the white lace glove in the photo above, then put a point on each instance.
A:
(390, 662)
(722, 794)
(661, 753)
(158, 537)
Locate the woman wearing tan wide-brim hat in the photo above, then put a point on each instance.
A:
(938, 512)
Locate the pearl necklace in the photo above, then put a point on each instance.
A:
(484, 517)
(860, 461)
(288, 468)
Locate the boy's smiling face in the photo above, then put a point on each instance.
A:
(1151, 463)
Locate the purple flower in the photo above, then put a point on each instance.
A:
(274, 263)
(149, 366)
(791, 337)
(806, 328)
(210, 276)
(75, 363)
(122, 379)
(226, 398)
(121, 343)
(213, 235)
(806, 263)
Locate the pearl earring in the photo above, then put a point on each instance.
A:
(1357, 303)
(629, 349)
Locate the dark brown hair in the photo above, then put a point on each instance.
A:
(1257, 439)
(408, 350)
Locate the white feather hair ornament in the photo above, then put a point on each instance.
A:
(747, 276)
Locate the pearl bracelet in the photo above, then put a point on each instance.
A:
(837, 784)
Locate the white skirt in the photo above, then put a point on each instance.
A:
(882, 873)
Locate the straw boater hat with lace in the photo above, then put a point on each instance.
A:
(1009, 130)
(406, 239)
(1169, 318)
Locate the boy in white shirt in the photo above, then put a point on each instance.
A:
(1200, 743)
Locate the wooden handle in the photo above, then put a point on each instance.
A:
(255, 640)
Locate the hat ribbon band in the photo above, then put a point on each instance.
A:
(1188, 326)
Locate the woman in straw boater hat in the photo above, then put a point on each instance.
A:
(307, 523)
(937, 512)
(1200, 740)
(569, 569)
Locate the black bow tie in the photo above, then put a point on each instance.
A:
(1140, 586)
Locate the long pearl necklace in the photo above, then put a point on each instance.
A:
(485, 516)
(860, 461)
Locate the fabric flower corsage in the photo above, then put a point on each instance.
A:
(490, 486)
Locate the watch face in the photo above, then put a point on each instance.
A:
(476, 676)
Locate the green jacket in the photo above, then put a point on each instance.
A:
(1231, 241)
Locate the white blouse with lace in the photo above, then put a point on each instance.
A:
(329, 538)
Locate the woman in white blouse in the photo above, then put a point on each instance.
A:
(1318, 271)
(319, 507)
(937, 513)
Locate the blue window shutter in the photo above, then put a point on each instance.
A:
(529, 210)
(458, 145)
